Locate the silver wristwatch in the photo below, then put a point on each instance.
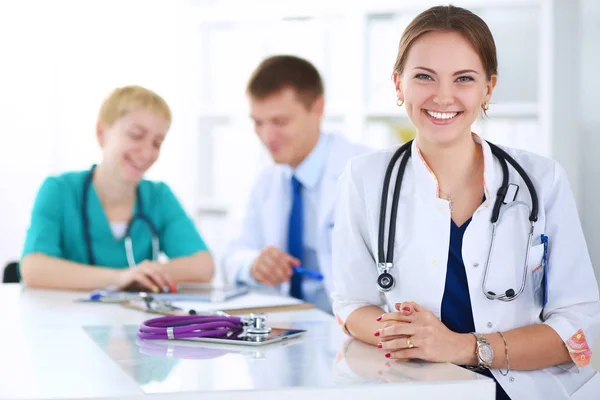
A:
(484, 352)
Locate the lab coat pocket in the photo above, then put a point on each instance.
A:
(329, 233)
(536, 273)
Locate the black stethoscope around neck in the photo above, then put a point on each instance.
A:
(385, 280)
(138, 216)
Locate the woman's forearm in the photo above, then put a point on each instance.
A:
(42, 271)
(362, 324)
(529, 348)
(198, 267)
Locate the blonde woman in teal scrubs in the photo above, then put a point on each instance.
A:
(81, 220)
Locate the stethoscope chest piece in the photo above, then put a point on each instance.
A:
(256, 325)
(385, 280)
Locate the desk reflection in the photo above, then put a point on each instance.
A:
(163, 366)
(191, 351)
(358, 362)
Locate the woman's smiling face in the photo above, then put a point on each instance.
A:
(443, 86)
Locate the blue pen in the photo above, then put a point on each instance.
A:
(96, 295)
(104, 296)
(309, 274)
(544, 239)
(101, 296)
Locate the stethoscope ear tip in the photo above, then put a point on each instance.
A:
(507, 296)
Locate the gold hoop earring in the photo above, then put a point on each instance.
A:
(399, 102)
(485, 106)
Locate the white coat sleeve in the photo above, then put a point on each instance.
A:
(573, 306)
(354, 265)
(247, 245)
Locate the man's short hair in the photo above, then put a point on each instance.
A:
(282, 71)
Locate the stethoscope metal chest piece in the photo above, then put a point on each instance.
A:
(256, 324)
(139, 216)
(386, 282)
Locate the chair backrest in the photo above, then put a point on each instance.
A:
(10, 273)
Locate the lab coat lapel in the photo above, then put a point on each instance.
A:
(333, 169)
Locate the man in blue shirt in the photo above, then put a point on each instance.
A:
(285, 237)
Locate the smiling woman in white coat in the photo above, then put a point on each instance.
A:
(479, 258)
(285, 240)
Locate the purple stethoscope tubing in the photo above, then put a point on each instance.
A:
(189, 326)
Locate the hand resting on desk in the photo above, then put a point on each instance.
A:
(148, 275)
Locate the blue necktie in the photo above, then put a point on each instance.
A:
(295, 232)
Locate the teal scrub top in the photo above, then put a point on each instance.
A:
(56, 227)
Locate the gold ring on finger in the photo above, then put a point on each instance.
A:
(409, 343)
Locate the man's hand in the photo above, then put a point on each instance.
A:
(273, 266)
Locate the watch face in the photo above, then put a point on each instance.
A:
(486, 353)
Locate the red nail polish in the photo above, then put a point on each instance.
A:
(407, 309)
(380, 345)
(388, 355)
(376, 333)
(378, 318)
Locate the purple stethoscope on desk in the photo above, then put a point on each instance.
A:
(203, 326)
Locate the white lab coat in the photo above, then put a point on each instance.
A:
(266, 220)
(421, 255)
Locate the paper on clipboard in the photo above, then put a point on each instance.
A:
(251, 300)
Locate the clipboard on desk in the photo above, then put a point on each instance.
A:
(185, 292)
(251, 302)
(202, 292)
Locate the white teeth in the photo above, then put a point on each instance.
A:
(438, 115)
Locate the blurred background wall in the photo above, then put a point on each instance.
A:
(61, 58)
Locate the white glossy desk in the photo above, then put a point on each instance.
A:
(53, 347)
